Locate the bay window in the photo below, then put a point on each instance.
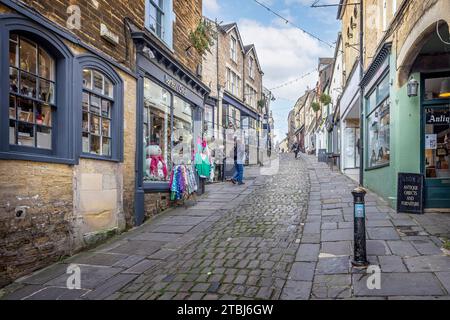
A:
(97, 105)
(32, 83)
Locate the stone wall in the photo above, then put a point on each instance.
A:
(188, 15)
(155, 203)
(36, 210)
(111, 14)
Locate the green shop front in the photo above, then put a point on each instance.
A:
(407, 123)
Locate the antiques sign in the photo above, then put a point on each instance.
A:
(410, 193)
(441, 117)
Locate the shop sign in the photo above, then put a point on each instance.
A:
(410, 193)
(442, 117)
(175, 85)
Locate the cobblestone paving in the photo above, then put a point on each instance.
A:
(247, 253)
(282, 236)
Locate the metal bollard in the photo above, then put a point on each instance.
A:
(359, 212)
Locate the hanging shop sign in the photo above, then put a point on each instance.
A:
(410, 193)
(175, 85)
(440, 117)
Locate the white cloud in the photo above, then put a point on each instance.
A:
(211, 8)
(285, 53)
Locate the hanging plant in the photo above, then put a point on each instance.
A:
(261, 103)
(325, 99)
(315, 106)
(202, 38)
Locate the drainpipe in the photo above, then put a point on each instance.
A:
(361, 94)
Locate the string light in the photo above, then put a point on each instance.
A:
(293, 24)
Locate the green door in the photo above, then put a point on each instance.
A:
(436, 154)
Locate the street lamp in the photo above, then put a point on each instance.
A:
(413, 87)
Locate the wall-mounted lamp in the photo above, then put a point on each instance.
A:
(413, 87)
(445, 89)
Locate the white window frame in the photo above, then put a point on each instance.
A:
(233, 48)
(251, 70)
(167, 20)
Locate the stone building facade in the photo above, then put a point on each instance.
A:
(56, 201)
(234, 76)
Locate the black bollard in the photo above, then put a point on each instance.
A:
(359, 215)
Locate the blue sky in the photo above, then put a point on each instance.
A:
(285, 52)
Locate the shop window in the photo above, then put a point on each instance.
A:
(31, 94)
(437, 142)
(182, 136)
(97, 110)
(157, 132)
(437, 88)
(208, 121)
(378, 135)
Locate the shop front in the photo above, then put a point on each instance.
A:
(350, 126)
(169, 126)
(436, 139)
(407, 119)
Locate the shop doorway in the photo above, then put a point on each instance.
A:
(436, 141)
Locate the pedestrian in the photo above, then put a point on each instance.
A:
(296, 149)
(239, 160)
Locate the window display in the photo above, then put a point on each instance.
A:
(208, 122)
(182, 134)
(32, 94)
(96, 113)
(157, 132)
(378, 124)
(437, 142)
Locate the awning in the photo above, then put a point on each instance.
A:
(236, 103)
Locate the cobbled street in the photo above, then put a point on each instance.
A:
(282, 236)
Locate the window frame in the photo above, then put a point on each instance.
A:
(63, 127)
(88, 61)
(233, 48)
(167, 19)
(369, 111)
(251, 67)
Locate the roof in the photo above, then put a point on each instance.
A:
(226, 28)
(247, 50)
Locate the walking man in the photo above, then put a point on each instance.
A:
(239, 160)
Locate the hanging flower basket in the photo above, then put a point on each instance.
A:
(315, 106)
(325, 99)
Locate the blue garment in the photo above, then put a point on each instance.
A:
(239, 172)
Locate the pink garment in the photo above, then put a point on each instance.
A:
(154, 165)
